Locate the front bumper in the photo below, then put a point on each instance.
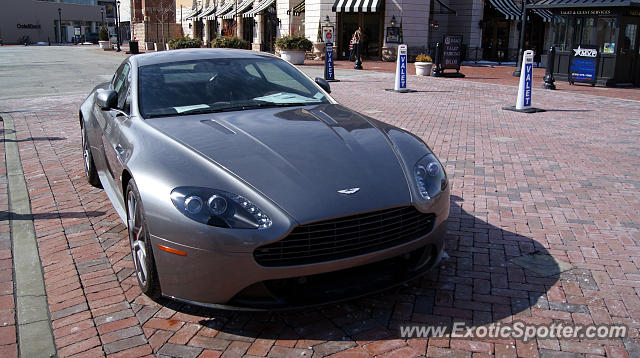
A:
(235, 280)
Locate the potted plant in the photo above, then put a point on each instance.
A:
(293, 48)
(319, 46)
(103, 38)
(423, 64)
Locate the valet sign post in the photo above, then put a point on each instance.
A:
(329, 73)
(523, 102)
(524, 90)
(401, 69)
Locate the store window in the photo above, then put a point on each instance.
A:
(629, 41)
(606, 34)
(588, 31)
(559, 28)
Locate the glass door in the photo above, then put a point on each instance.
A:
(628, 55)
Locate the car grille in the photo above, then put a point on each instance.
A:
(346, 237)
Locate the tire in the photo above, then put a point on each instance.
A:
(140, 243)
(89, 166)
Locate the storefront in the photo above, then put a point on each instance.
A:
(369, 16)
(612, 27)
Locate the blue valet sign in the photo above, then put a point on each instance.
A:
(328, 63)
(524, 89)
(401, 69)
(583, 64)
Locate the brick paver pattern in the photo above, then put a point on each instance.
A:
(564, 183)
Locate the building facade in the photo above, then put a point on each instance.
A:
(48, 21)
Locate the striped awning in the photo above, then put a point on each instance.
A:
(224, 8)
(241, 8)
(546, 15)
(193, 14)
(208, 11)
(298, 9)
(355, 6)
(259, 8)
(510, 10)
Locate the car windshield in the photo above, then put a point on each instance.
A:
(216, 85)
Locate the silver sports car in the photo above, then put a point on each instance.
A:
(244, 184)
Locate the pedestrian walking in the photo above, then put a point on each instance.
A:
(356, 46)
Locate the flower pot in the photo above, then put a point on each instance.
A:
(295, 57)
(423, 68)
(318, 51)
(105, 45)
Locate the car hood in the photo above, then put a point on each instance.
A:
(300, 157)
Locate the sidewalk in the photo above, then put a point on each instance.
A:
(502, 75)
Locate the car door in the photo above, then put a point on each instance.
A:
(111, 123)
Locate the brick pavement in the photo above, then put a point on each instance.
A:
(562, 183)
(497, 75)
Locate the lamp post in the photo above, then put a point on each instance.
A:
(60, 24)
(393, 21)
(523, 22)
(118, 26)
(236, 18)
(102, 15)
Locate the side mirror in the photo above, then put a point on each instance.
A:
(324, 84)
(106, 99)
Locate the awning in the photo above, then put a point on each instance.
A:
(556, 4)
(259, 8)
(208, 11)
(546, 15)
(193, 13)
(224, 8)
(241, 8)
(510, 10)
(355, 6)
(298, 9)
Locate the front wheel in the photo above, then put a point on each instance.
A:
(89, 166)
(140, 242)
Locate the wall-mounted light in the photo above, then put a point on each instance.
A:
(393, 21)
(434, 24)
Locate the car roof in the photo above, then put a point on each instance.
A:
(154, 58)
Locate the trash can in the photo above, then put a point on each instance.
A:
(133, 47)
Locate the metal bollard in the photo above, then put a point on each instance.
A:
(436, 61)
(548, 76)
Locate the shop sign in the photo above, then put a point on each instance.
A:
(393, 35)
(28, 26)
(452, 52)
(587, 12)
(634, 12)
(583, 64)
(327, 34)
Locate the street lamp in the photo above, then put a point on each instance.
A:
(60, 24)
(102, 15)
(393, 21)
(523, 22)
(236, 18)
(118, 26)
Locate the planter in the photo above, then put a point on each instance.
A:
(105, 45)
(318, 51)
(295, 57)
(423, 68)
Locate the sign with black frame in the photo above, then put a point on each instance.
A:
(583, 64)
(452, 52)
(393, 34)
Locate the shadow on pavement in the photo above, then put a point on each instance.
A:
(35, 139)
(6, 215)
(477, 284)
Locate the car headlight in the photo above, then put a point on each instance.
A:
(219, 208)
(430, 176)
